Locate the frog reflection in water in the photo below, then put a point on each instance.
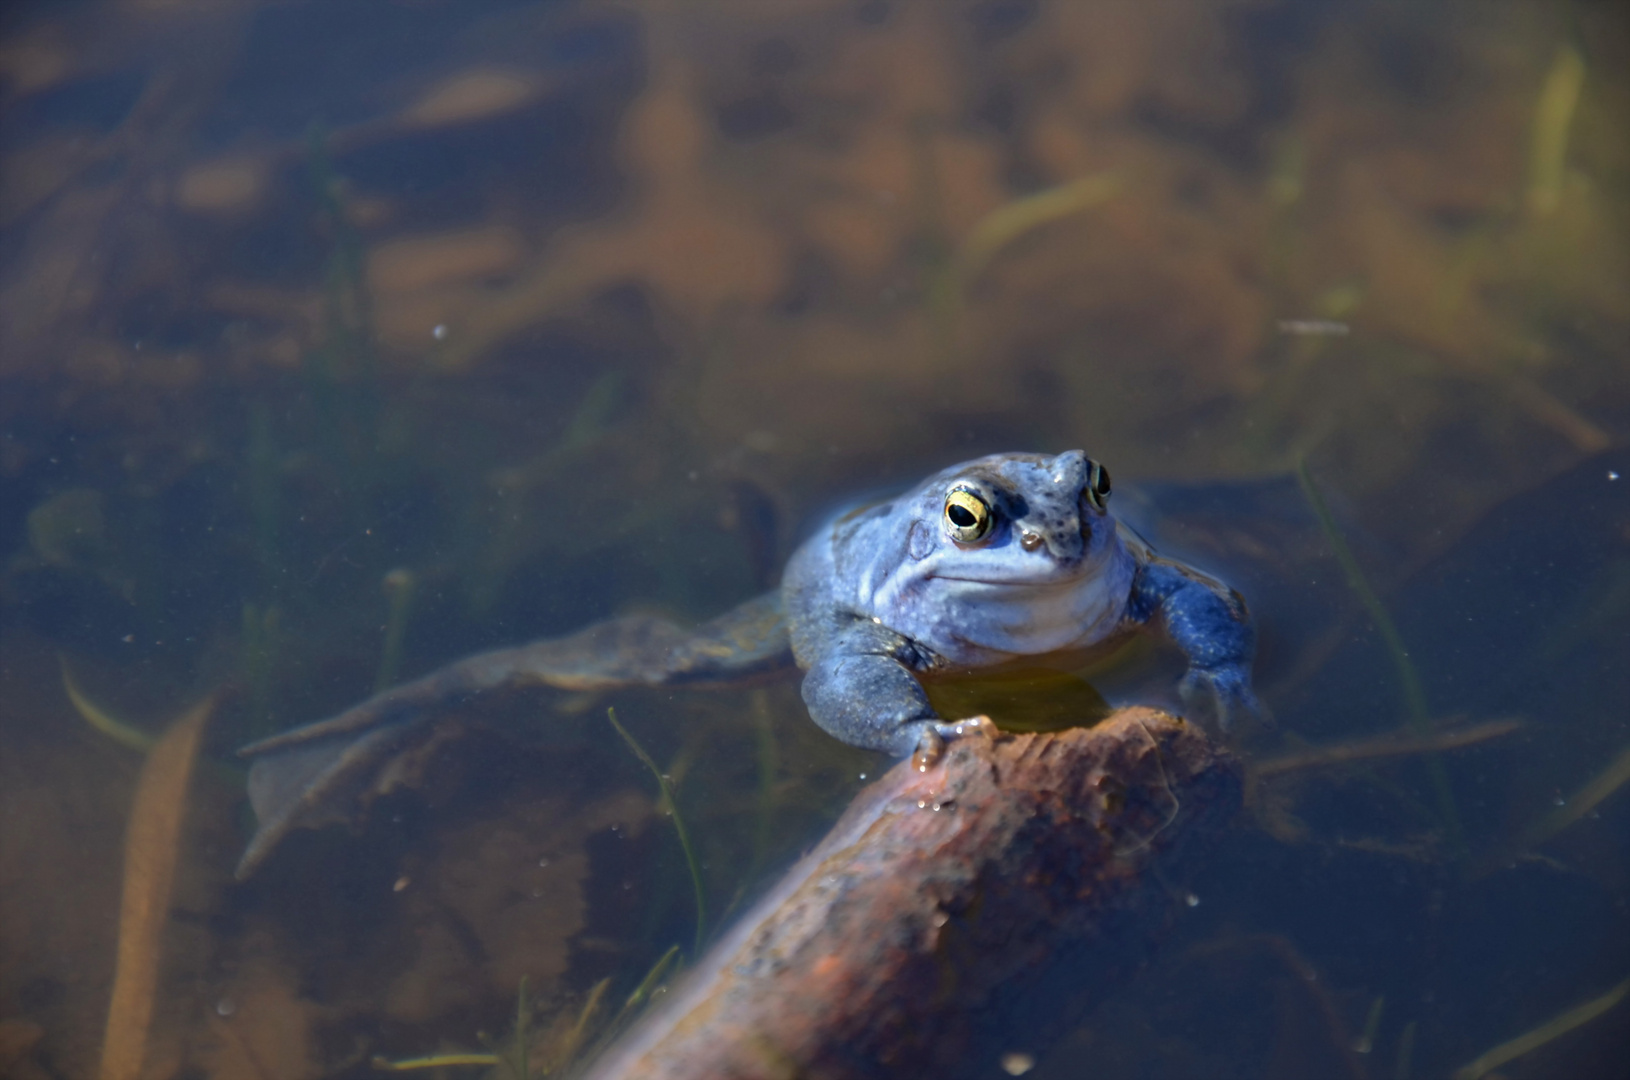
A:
(1006, 557)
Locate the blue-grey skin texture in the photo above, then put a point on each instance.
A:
(884, 593)
(869, 602)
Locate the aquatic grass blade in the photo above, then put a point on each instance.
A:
(607, 1035)
(574, 1039)
(679, 826)
(1382, 746)
(1582, 802)
(647, 985)
(1572, 809)
(152, 850)
(1535, 1038)
(102, 720)
(523, 1032)
(1024, 215)
(1553, 116)
(399, 586)
(1409, 680)
(434, 1061)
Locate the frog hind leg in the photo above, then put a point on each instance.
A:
(1209, 622)
(329, 771)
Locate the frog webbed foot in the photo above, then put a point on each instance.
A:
(1223, 694)
(332, 777)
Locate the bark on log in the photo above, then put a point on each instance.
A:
(954, 915)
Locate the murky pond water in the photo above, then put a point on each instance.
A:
(339, 341)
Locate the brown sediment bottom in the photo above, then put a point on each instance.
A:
(953, 915)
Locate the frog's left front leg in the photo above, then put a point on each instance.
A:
(1209, 622)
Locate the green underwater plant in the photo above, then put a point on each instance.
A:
(666, 791)
(1417, 716)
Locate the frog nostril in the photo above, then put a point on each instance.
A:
(1030, 541)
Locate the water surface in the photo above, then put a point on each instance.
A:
(340, 341)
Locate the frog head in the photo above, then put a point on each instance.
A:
(1013, 519)
(1013, 553)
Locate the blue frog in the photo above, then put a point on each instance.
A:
(988, 563)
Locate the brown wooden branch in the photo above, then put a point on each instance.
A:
(952, 915)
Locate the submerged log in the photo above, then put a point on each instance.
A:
(954, 916)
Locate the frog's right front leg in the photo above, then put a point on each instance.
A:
(860, 688)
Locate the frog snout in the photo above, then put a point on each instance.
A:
(1069, 469)
(1058, 541)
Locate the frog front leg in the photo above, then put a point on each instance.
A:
(1209, 622)
(861, 689)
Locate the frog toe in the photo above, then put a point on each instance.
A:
(1223, 695)
(981, 726)
(930, 748)
(934, 734)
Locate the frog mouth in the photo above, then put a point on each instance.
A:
(1062, 577)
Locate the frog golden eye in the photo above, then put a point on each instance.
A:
(967, 516)
(1097, 489)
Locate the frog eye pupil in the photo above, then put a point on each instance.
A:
(1097, 490)
(967, 516)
